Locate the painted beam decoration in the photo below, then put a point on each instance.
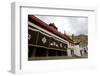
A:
(37, 38)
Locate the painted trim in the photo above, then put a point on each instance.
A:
(45, 47)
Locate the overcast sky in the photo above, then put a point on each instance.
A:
(72, 25)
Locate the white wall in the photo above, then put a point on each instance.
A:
(77, 50)
(5, 32)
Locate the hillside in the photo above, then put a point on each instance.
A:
(83, 39)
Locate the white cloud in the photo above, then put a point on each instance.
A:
(72, 25)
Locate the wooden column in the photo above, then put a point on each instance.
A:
(47, 51)
(33, 52)
(56, 52)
